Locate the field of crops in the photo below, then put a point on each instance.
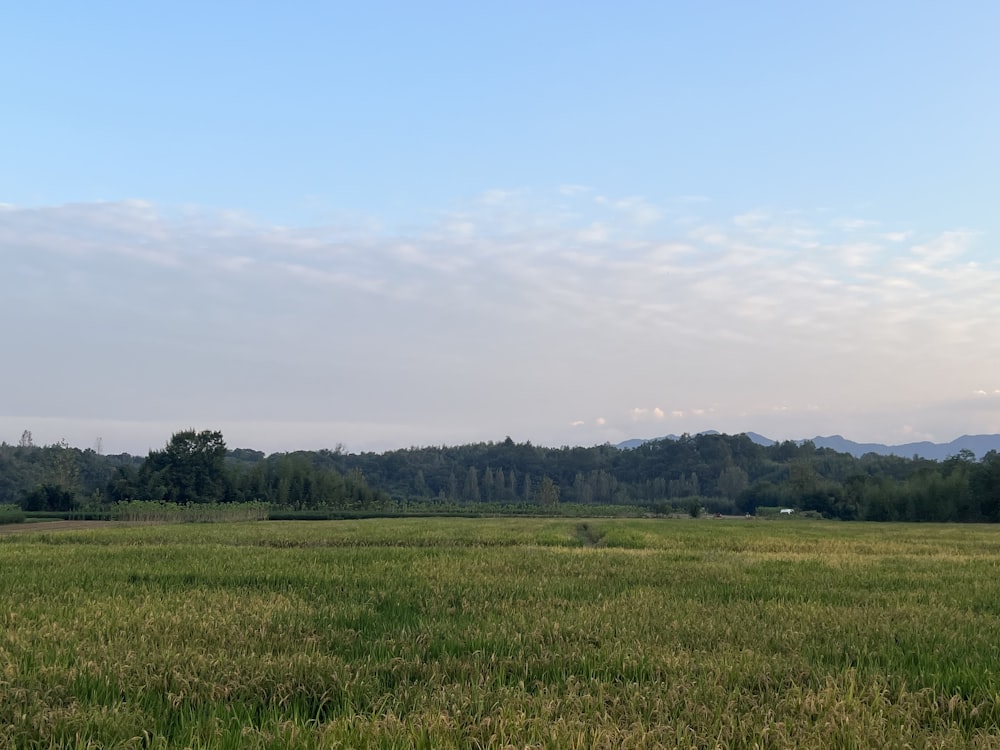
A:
(501, 633)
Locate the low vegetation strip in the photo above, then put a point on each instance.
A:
(501, 632)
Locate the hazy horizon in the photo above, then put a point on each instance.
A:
(315, 439)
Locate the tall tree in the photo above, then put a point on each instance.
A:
(420, 485)
(548, 494)
(732, 481)
(191, 468)
(488, 485)
(471, 490)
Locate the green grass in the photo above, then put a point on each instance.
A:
(501, 632)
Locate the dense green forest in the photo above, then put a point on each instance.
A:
(711, 473)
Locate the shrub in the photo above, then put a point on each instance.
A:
(11, 514)
(719, 505)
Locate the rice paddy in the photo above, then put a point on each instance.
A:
(493, 633)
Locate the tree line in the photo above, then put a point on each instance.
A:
(718, 473)
(193, 468)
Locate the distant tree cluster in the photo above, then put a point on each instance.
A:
(193, 468)
(723, 473)
(719, 473)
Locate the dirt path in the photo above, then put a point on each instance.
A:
(17, 528)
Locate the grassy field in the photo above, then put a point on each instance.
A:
(501, 633)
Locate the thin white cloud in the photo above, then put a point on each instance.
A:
(336, 278)
(751, 219)
(635, 210)
(504, 296)
(596, 232)
(854, 225)
(149, 255)
(860, 254)
(235, 263)
(942, 249)
(496, 197)
(639, 211)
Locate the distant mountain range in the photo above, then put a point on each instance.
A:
(978, 444)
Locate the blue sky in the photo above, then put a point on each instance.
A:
(398, 224)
